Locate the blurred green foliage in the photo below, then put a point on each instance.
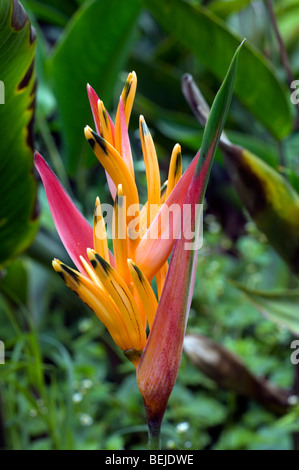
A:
(64, 384)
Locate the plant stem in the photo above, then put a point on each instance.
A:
(154, 438)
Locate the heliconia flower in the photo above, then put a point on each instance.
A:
(118, 287)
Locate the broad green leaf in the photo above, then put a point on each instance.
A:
(288, 26)
(283, 6)
(281, 307)
(92, 50)
(205, 35)
(17, 184)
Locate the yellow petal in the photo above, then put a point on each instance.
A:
(99, 232)
(139, 304)
(91, 273)
(120, 241)
(102, 305)
(122, 297)
(106, 130)
(127, 95)
(175, 169)
(151, 169)
(145, 292)
(113, 164)
(143, 212)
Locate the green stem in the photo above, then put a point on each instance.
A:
(154, 438)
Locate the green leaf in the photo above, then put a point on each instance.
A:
(92, 50)
(280, 307)
(271, 201)
(15, 282)
(54, 12)
(225, 8)
(17, 184)
(217, 116)
(287, 20)
(213, 44)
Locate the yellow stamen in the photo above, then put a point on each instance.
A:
(113, 164)
(91, 273)
(145, 292)
(99, 232)
(122, 297)
(139, 304)
(151, 169)
(143, 212)
(128, 95)
(99, 301)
